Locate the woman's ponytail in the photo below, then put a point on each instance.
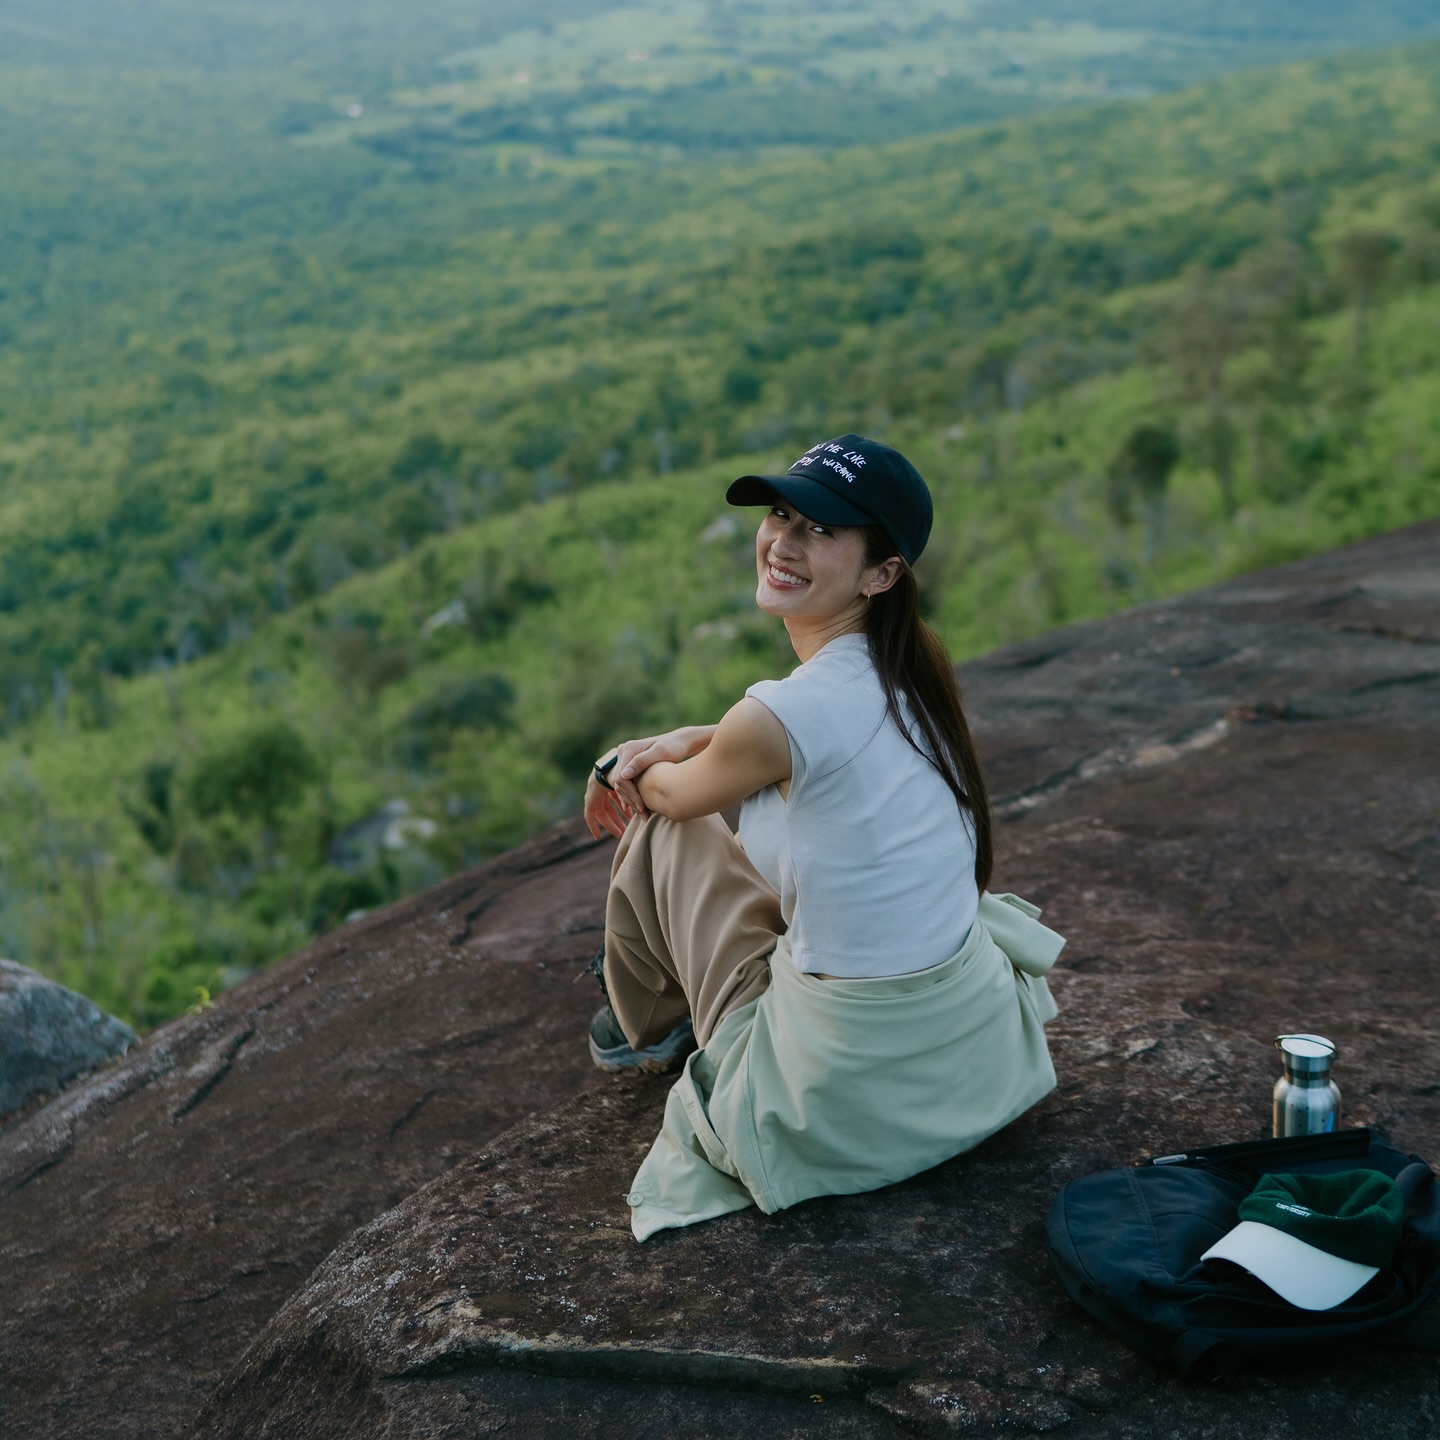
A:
(914, 667)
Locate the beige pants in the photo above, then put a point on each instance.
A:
(689, 927)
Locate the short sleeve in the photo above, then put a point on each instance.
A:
(830, 707)
(771, 694)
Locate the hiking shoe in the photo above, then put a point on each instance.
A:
(610, 1050)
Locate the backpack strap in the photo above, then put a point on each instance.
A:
(1201, 1355)
(1267, 1154)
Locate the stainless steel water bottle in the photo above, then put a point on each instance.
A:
(1307, 1100)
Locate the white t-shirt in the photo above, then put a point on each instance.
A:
(873, 859)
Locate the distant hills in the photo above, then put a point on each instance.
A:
(390, 476)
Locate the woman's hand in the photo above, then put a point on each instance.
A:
(612, 809)
(634, 757)
(604, 810)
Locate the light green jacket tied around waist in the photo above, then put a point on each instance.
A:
(831, 1087)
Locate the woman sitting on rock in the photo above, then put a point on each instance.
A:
(864, 1010)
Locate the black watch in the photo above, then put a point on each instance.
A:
(603, 769)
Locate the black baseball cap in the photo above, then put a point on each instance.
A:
(850, 481)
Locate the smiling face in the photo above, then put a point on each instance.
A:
(815, 575)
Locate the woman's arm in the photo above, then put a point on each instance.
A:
(633, 757)
(747, 751)
(611, 809)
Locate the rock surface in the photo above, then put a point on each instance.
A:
(1231, 805)
(48, 1036)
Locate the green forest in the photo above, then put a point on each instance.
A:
(364, 434)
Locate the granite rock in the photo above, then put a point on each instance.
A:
(1217, 902)
(1230, 803)
(155, 1215)
(48, 1036)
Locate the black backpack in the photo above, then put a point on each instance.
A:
(1127, 1246)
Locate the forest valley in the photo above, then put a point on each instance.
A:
(346, 519)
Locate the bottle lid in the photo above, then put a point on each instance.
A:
(1306, 1054)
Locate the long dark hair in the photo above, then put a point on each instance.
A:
(912, 663)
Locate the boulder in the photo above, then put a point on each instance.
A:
(49, 1035)
(379, 1191)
